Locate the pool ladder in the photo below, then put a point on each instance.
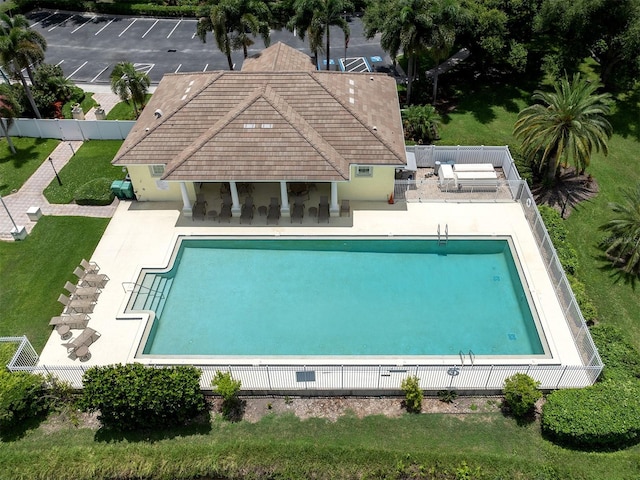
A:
(463, 356)
(443, 240)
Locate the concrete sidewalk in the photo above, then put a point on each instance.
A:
(30, 195)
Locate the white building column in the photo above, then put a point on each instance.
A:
(334, 207)
(186, 201)
(235, 207)
(284, 200)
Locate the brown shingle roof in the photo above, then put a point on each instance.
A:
(279, 58)
(267, 126)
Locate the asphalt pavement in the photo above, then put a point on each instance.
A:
(87, 46)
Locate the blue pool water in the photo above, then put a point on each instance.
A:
(341, 298)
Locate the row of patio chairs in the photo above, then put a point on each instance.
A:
(80, 301)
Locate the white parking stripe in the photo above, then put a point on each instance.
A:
(174, 28)
(76, 70)
(154, 24)
(34, 24)
(60, 62)
(128, 26)
(194, 35)
(101, 72)
(74, 31)
(58, 24)
(178, 68)
(110, 21)
(205, 68)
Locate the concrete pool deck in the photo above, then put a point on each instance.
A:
(144, 236)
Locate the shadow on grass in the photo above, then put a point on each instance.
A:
(24, 155)
(16, 432)
(615, 272)
(624, 118)
(200, 426)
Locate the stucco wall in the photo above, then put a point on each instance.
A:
(377, 187)
(147, 190)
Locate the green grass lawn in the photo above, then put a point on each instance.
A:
(34, 271)
(92, 160)
(16, 169)
(124, 110)
(493, 446)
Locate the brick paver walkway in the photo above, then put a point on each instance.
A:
(30, 195)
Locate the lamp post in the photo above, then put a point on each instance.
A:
(54, 171)
(8, 213)
(18, 232)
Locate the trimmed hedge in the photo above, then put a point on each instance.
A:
(95, 192)
(21, 397)
(558, 233)
(605, 415)
(620, 357)
(133, 396)
(130, 7)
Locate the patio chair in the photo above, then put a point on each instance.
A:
(79, 347)
(273, 214)
(323, 209)
(81, 305)
(247, 210)
(225, 210)
(65, 323)
(89, 267)
(345, 208)
(199, 209)
(297, 213)
(81, 292)
(90, 279)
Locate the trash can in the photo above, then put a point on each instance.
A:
(116, 189)
(127, 190)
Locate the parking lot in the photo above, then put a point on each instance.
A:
(87, 46)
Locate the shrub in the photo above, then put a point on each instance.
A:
(21, 396)
(447, 396)
(7, 351)
(558, 234)
(620, 357)
(413, 394)
(605, 415)
(228, 388)
(588, 309)
(133, 396)
(95, 192)
(521, 394)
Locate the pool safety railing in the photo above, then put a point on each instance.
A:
(152, 297)
(24, 357)
(443, 240)
(463, 357)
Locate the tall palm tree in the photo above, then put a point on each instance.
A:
(623, 246)
(568, 124)
(218, 19)
(21, 49)
(129, 84)
(233, 23)
(9, 109)
(316, 17)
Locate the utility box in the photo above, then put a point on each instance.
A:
(127, 190)
(116, 189)
(100, 114)
(34, 213)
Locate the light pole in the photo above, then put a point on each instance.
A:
(54, 171)
(9, 213)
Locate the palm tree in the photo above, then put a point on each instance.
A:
(421, 123)
(218, 20)
(21, 48)
(232, 21)
(9, 109)
(623, 246)
(316, 17)
(129, 84)
(568, 124)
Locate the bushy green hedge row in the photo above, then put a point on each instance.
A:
(95, 192)
(620, 357)
(21, 397)
(184, 8)
(605, 415)
(568, 259)
(133, 396)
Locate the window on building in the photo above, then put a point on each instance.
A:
(362, 171)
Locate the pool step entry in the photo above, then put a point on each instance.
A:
(151, 294)
(443, 239)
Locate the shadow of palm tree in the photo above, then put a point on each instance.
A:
(611, 266)
(624, 119)
(569, 190)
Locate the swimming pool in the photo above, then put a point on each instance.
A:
(339, 297)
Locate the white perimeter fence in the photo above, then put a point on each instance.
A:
(71, 129)
(458, 375)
